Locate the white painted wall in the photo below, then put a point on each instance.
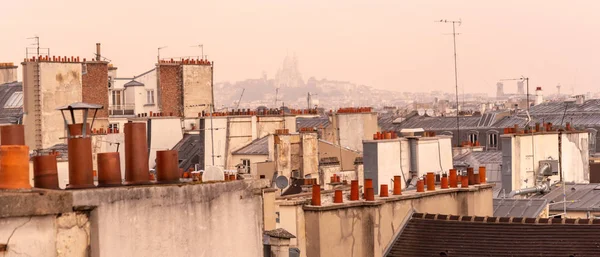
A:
(575, 157)
(166, 133)
(434, 155)
(354, 128)
(220, 139)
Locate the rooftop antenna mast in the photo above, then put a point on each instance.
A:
(36, 50)
(459, 22)
(201, 49)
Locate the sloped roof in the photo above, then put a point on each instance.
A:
(589, 106)
(512, 207)
(386, 121)
(576, 119)
(11, 104)
(580, 197)
(444, 235)
(314, 122)
(476, 158)
(79, 106)
(257, 147)
(189, 149)
(442, 122)
(133, 83)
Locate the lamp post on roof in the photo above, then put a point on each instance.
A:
(79, 106)
(79, 145)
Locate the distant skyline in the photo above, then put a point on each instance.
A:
(391, 45)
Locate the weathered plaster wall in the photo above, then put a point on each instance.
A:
(368, 228)
(8, 74)
(197, 89)
(220, 219)
(310, 153)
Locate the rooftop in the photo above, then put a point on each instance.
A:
(257, 147)
(313, 122)
(511, 207)
(446, 122)
(580, 197)
(449, 235)
(11, 102)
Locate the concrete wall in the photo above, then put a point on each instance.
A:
(523, 169)
(46, 235)
(197, 89)
(327, 149)
(219, 136)
(60, 84)
(368, 228)
(354, 128)
(218, 219)
(8, 74)
(310, 153)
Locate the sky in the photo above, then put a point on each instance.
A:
(393, 45)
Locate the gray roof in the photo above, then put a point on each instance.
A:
(386, 121)
(11, 104)
(528, 208)
(189, 149)
(580, 197)
(133, 83)
(576, 119)
(257, 147)
(589, 106)
(477, 158)
(445, 122)
(315, 122)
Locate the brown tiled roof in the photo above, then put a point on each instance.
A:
(447, 235)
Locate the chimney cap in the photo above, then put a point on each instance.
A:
(538, 88)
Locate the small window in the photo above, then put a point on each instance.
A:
(492, 139)
(117, 97)
(113, 128)
(473, 137)
(150, 97)
(246, 164)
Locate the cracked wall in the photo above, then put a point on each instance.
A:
(66, 235)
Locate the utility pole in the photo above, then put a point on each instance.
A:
(455, 76)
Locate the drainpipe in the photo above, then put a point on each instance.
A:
(541, 185)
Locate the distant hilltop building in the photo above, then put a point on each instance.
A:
(289, 75)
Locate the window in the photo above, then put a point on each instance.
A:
(117, 97)
(113, 128)
(592, 140)
(492, 139)
(246, 164)
(150, 97)
(473, 137)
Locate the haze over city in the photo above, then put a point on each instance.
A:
(391, 45)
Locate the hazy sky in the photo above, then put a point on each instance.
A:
(384, 44)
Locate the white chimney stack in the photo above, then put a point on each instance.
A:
(539, 97)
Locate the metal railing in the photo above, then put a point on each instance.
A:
(119, 110)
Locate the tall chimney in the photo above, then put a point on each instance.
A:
(539, 96)
(98, 52)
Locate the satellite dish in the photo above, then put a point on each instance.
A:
(421, 112)
(213, 173)
(281, 182)
(429, 112)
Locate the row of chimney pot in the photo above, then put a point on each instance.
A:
(155, 114)
(354, 110)
(446, 181)
(6, 64)
(186, 61)
(54, 58)
(469, 143)
(308, 129)
(544, 127)
(385, 135)
(282, 131)
(14, 161)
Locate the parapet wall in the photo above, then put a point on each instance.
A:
(362, 228)
(208, 219)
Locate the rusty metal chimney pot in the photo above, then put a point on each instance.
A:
(109, 169)
(14, 167)
(45, 172)
(167, 170)
(12, 135)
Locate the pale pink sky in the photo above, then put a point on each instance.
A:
(384, 44)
